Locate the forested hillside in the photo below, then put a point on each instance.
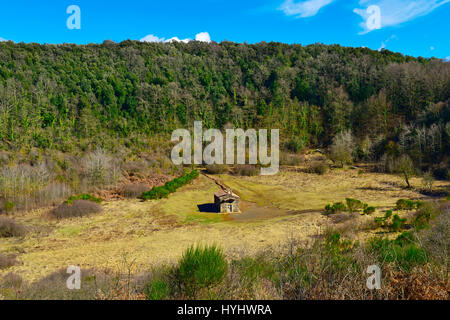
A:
(69, 97)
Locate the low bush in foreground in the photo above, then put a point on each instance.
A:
(200, 268)
(10, 228)
(77, 208)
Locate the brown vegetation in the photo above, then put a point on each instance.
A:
(79, 208)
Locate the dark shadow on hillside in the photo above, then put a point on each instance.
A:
(207, 207)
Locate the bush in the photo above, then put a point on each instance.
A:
(78, 208)
(157, 290)
(319, 168)
(163, 192)
(201, 267)
(246, 170)
(216, 168)
(86, 197)
(422, 217)
(368, 210)
(335, 208)
(428, 181)
(398, 223)
(8, 206)
(403, 204)
(404, 254)
(341, 150)
(353, 204)
(133, 190)
(384, 221)
(10, 228)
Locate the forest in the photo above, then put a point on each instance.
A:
(118, 96)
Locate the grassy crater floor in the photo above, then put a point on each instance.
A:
(139, 234)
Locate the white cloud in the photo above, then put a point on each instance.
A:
(151, 38)
(175, 39)
(394, 12)
(432, 48)
(303, 9)
(2, 39)
(203, 37)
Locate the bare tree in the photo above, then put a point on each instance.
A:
(405, 167)
(342, 148)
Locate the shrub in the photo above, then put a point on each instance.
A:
(287, 159)
(9, 206)
(201, 267)
(155, 193)
(384, 221)
(319, 168)
(335, 208)
(341, 150)
(353, 204)
(428, 181)
(86, 197)
(404, 254)
(422, 217)
(10, 228)
(403, 204)
(78, 208)
(133, 190)
(368, 209)
(247, 170)
(398, 223)
(163, 192)
(216, 168)
(157, 290)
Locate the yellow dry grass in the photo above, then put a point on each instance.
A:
(156, 232)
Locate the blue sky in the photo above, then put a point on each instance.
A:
(414, 27)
